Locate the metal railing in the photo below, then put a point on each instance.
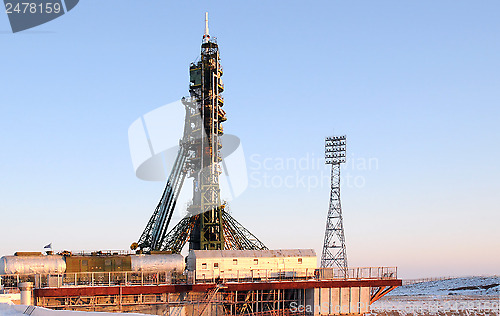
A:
(253, 275)
(93, 279)
(193, 277)
(378, 273)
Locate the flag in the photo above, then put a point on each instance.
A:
(48, 246)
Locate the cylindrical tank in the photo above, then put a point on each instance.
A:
(159, 262)
(25, 288)
(32, 264)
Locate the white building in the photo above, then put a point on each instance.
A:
(263, 264)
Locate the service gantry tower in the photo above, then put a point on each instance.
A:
(207, 225)
(205, 90)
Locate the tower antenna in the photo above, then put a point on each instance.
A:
(206, 36)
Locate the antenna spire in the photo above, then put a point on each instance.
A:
(206, 36)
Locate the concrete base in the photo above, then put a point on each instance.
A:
(338, 301)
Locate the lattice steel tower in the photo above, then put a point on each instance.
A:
(334, 251)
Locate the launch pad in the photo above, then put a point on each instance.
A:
(323, 291)
(228, 271)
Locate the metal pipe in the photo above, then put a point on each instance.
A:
(25, 288)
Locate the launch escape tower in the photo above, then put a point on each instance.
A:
(334, 250)
(207, 225)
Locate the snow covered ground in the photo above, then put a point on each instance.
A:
(461, 296)
(460, 286)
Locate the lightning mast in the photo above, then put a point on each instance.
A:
(334, 250)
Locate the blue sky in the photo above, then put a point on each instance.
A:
(414, 85)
